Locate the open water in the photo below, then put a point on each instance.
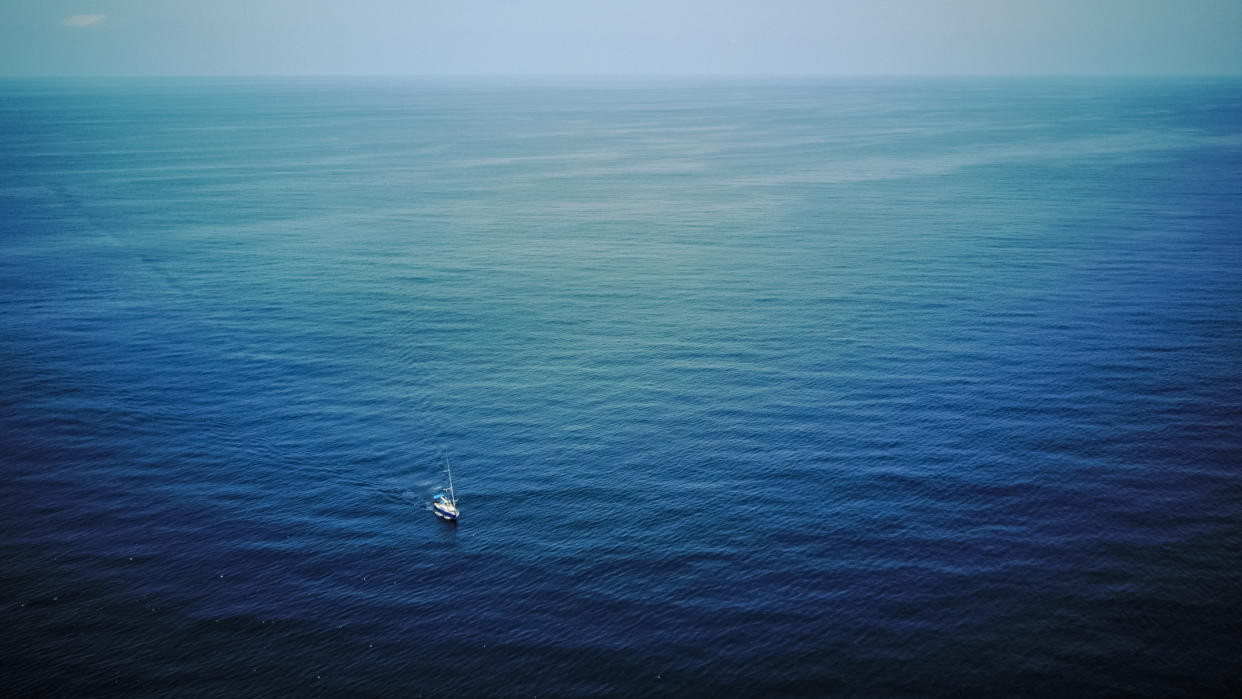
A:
(870, 388)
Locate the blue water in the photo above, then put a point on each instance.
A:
(888, 387)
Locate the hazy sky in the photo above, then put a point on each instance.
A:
(635, 37)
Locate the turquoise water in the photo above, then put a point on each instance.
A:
(853, 387)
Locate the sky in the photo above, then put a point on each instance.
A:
(615, 37)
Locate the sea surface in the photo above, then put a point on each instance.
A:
(856, 387)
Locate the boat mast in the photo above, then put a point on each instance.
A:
(449, 469)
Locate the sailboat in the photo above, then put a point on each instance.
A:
(445, 504)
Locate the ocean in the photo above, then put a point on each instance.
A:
(750, 387)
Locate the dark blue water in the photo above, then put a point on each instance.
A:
(858, 388)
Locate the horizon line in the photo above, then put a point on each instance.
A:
(614, 76)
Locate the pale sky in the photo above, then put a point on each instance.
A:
(635, 37)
